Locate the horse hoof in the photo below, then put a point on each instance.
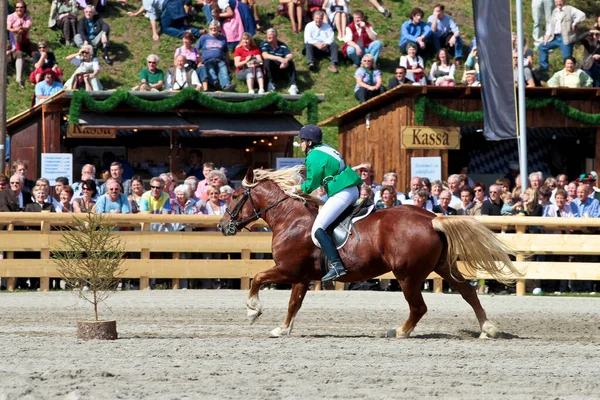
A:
(278, 332)
(391, 333)
(489, 331)
(253, 315)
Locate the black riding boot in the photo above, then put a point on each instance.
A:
(336, 267)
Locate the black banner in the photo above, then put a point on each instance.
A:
(494, 49)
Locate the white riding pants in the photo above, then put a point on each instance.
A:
(332, 209)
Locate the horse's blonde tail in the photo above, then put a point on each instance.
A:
(477, 247)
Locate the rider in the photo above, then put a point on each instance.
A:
(325, 167)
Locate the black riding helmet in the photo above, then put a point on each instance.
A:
(312, 133)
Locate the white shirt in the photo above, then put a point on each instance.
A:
(20, 197)
(315, 35)
(181, 79)
(348, 35)
(455, 202)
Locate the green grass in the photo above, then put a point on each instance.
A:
(132, 42)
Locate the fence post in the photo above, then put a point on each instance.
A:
(317, 286)
(521, 284)
(245, 280)
(438, 285)
(10, 282)
(145, 255)
(339, 285)
(175, 281)
(45, 255)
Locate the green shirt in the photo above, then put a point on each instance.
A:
(325, 167)
(152, 78)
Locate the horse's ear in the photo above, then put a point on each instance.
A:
(249, 175)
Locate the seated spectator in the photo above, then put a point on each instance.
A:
(64, 199)
(18, 24)
(444, 204)
(4, 185)
(42, 61)
(45, 183)
(368, 80)
(170, 181)
(527, 74)
(436, 188)
(295, 10)
(217, 179)
(442, 70)
(583, 206)
(415, 67)
(203, 185)
(40, 203)
(318, 40)
(114, 202)
(360, 38)
(182, 204)
(445, 33)
(390, 179)
(88, 171)
(86, 203)
(591, 55)
(511, 202)
(400, 78)
(192, 183)
(531, 205)
(527, 52)
(173, 19)
(467, 206)
(493, 205)
(472, 63)
(60, 183)
(366, 193)
(479, 190)
(248, 63)
(504, 183)
(560, 208)
(215, 59)
(213, 205)
(91, 29)
(63, 15)
(471, 78)
(13, 199)
(420, 200)
(562, 182)
(388, 199)
(570, 76)
(152, 79)
(278, 61)
(48, 87)
(180, 77)
(338, 13)
(137, 191)
(152, 9)
(415, 32)
(226, 193)
(188, 50)
(86, 65)
(156, 201)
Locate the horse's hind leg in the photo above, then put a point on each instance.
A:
(411, 287)
(277, 274)
(296, 299)
(469, 293)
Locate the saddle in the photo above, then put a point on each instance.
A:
(341, 229)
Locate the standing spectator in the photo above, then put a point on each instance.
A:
(467, 206)
(87, 65)
(360, 38)
(295, 10)
(63, 15)
(45, 183)
(88, 171)
(318, 40)
(114, 202)
(444, 206)
(188, 50)
(368, 80)
(414, 31)
(420, 199)
(442, 70)
(4, 185)
(399, 79)
(152, 79)
(116, 173)
(590, 181)
(562, 181)
(248, 63)
(182, 204)
(13, 199)
(20, 167)
(42, 61)
(338, 13)
(560, 32)
(173, 19)
(390, 179)
(365, 170)
(180, 77)
(415, 67)
(151, 9)
(570, 76)
(217, 179)
(571, 192)
(195, 161)
(278, 60)
(215, 59)
(18, 24)
(203, 185)
(48, 87)
(388, 197)
(541, 9)
(445, 33)
(415, 185)
(591, 56)
(493, 205)
(91, 29)
(137, 191)
(59, 184)
(479, 190)
(454, 187)
(192, 183)
(232, 25)
(86, 203)
(531, 205)
(535, 180)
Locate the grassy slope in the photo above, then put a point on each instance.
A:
(132, 42)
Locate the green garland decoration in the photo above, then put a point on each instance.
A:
(423, 103)
(83, 99)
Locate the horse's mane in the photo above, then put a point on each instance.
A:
(286, 179)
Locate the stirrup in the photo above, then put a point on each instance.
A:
(337, 269)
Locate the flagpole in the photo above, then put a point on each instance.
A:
(522, 131)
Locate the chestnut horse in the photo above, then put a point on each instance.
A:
(409, 241)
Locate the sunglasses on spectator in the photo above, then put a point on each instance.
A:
(156, 187)
(114, 190)
(478, 190)
(86, 188)
(41, 47)
(85, 52)
(493, 191)
(15, 183)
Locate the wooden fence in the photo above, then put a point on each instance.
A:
(574, 236)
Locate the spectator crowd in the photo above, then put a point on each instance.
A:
(211, 58)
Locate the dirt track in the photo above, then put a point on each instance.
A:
(198, 344)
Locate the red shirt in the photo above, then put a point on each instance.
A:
(242, 52)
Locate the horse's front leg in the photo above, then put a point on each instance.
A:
(296, 299)
(277, 274)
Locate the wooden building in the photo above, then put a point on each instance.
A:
(388, 131)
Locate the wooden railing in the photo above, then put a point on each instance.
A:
(512, 230)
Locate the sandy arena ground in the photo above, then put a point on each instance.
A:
(199, 345)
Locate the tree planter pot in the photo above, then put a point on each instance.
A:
(97, 330)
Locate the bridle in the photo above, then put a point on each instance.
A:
(233, 226)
